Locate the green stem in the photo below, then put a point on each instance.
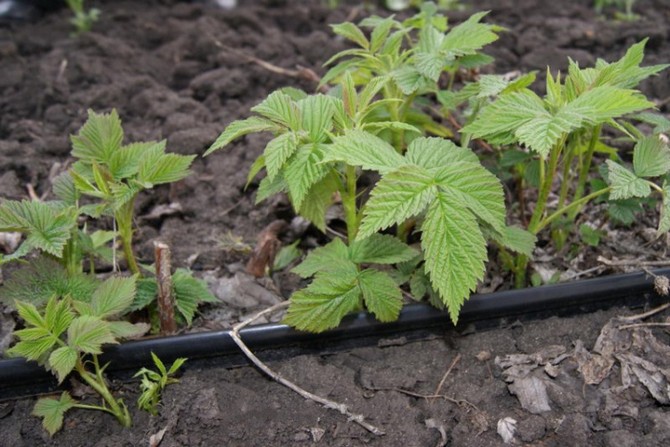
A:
(348, 193)
(567, 175)
(124, 221)
(97, 382)
(577, 204)
(585, 168)
(394, 112)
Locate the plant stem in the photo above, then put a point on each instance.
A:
(585, 168)
(124, 220)
(348, 193)
(577, 204)
(97, 382)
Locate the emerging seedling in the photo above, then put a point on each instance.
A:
(83, 19)
(153, 383)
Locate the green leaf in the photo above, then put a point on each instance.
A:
(625, 184)
(398, 196)
(477, 188)
(113, 297)
(497, 122)
(651, 157)
(98, 138)
(381, 295)
(410, 80)
(624, 211)
(88, 333)
(381, 249)
(303, 170)
(286, 255)
(317, 116)
(47, 225)
(31, 315)
(606, 102)
(469, 36)
(128, 331)
(157, 167)
(319, 199)
(350, 31)
(267, 188)
(329, 256)
(280, 108)
(278, 151)
(240, 128)
(454, 251)
(664, 221)
(58, 316)
(380, 33)
(323, 304)
(63, 188)
(519, 240)
(52, 411)
(431, 153)
(543, 132)
(589, 235)
(62, 362)
(124, 163)
(189, 293)
(360, 148)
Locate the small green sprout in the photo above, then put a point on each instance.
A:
(83, 20)
(153, 383)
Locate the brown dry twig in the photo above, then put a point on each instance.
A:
(162, 253)
(300, 72)
(267, 247)
(446, 374)
(343, 409)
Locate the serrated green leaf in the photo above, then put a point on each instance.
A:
(519, 240)
(323, 304)
(589, 235)
(279, 108)
(381, 295)
(31, 315)
(189, 293)
(432, 153)
(626, 72)
(317, 116)
(146, 292)
(48, 226)
(124, 163)
(157, 167)
(267, 188)
(62, 362)
(32, 349)
(380, 33)
(330, 256)
(128, 331)
(98, 138)
(625, 184)
(319, 198)
(468, 37)
(350, 31)
(381, 249)
(113, 297)
(360, 148)
(303, 170)
(624, 211)
(477, 189)
(410, 80)
(278, 151)
(286, 255)
(543, 132)
(498, 121)
(454, 251)
(651, 157)
(429, 65)
(255, 168)
(398, 196)
(52, 411)
(664, 220)
(491, 85)
(58, 315)
(240, 128)
(63, 188)
(88, 333)
(607, 102)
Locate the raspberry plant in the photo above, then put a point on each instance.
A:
(562, 132)
(320, 147)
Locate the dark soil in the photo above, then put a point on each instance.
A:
(168, 69)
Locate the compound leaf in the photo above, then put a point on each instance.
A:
(323, 304)
(329, 256)
(317, 116)
(278, 151)
(98, 138)
(303, 170)
(280, 108)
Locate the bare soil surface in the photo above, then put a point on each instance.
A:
(174, 70)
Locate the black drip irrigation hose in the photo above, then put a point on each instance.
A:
(19, 377)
